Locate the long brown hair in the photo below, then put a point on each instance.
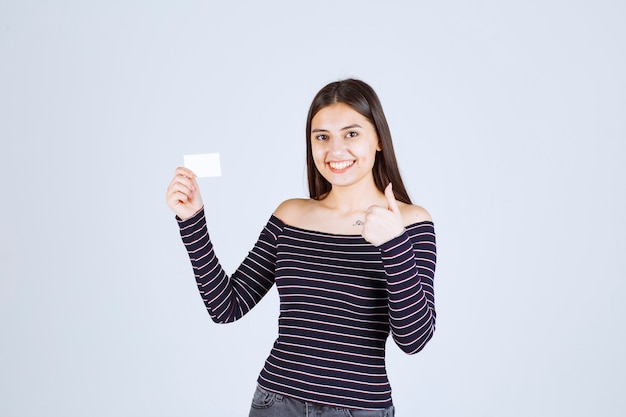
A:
(363, 99)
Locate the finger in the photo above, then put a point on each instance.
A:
(184, 180)
(392, 204)
(177, 198)
(180, 187)
(185, 172)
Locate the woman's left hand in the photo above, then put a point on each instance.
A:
(381, 224)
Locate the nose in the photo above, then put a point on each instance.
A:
(337, 147)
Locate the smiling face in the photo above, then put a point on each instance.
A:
(344, 145)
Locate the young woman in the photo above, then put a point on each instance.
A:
(352, 263)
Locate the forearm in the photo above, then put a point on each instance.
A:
(229, 298)
(409, 288)
(213, 283)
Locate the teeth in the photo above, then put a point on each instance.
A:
(340, 165)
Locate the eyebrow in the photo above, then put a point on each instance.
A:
(343, 128)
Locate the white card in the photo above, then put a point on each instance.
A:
(204, 165)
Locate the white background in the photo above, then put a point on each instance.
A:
(509, 123)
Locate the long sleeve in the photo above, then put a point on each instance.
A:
(228, 298)
(409, 261)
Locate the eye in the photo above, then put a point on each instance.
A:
(352, 134)
(321, 136)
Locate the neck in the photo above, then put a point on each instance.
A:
(353, 198)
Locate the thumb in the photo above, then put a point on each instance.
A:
(392, 204)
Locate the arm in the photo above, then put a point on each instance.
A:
(409, 262)
(228, 298)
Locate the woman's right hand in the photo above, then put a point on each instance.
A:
(183, 195)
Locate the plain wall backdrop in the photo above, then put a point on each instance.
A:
(509, 123)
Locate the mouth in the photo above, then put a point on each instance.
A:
(340, 166)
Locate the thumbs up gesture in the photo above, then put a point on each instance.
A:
(382, 224)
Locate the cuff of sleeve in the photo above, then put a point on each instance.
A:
(392, 244)
(193, 219)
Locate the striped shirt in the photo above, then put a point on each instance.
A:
(340, 297)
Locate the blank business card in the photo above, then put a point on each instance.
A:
(204, 165)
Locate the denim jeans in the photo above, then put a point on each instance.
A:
(269, 404)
